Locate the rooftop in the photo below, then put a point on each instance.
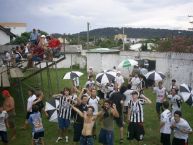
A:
(13, 24)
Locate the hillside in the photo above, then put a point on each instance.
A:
(136, 32)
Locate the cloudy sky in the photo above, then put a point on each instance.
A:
(71, 16)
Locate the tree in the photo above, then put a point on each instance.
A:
(144, 47)
(24, 38)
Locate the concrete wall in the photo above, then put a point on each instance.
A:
(4, 38)
(71, 59)
(18, 30)
(177, 66)
(109, 61)
(94, 60)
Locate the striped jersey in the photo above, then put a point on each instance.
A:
(64, 108)
(136, 110)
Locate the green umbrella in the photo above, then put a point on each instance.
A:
(127, 63)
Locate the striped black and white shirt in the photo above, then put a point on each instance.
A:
(64, 109)
(136, 109)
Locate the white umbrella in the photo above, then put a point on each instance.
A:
(155, 76)
(51, 108)
(73, 74)
(186, 94)
(106, 77)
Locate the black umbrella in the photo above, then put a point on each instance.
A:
(186, 94)
(73, 74)
(155, 76)
(105, 77)
(51, 108)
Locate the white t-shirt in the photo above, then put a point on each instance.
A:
(181, 125)
(8, 56)
(3, 117)
(30, 102)
(160, 94)
(165, 117)
(135, 82)
(175, 102)
(119, 80)
(94, 102)
(128, 95)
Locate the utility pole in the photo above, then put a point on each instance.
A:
(78, 38)
(123, 39)
(191, 22)
(88, 26)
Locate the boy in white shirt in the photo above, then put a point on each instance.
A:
(119, 79)
(181, 129)
(165, 123)
(160, 92)
(3, 125)
(135, 82)
(175, 101)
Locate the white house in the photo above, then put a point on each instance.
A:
(15, 28)
(5, 35)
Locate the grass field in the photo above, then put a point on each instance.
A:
(51, 130)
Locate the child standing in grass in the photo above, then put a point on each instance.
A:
(37, 127)
(3, 125)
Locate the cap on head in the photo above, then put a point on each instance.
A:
(43, 36)
(5, 93)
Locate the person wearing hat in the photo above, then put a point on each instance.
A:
(136, 117)
(9, 107)
(119, 79)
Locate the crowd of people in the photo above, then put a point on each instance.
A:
(123, 104)
(39, 47)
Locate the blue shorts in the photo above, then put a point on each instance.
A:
(86, 140)
(106, 137)
(63, 123)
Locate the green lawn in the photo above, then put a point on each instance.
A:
(51, 131)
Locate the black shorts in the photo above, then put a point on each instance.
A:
(28, 114)
(159, 107)
(3, 135)
(135, 131)
(119, 121)
(77, 131)
(165, 139)
(37, 135)
(177, 141)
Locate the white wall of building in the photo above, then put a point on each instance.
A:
(4, 38)
(18, 30)
(71, 59)
(94, 60)
(109, 61)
